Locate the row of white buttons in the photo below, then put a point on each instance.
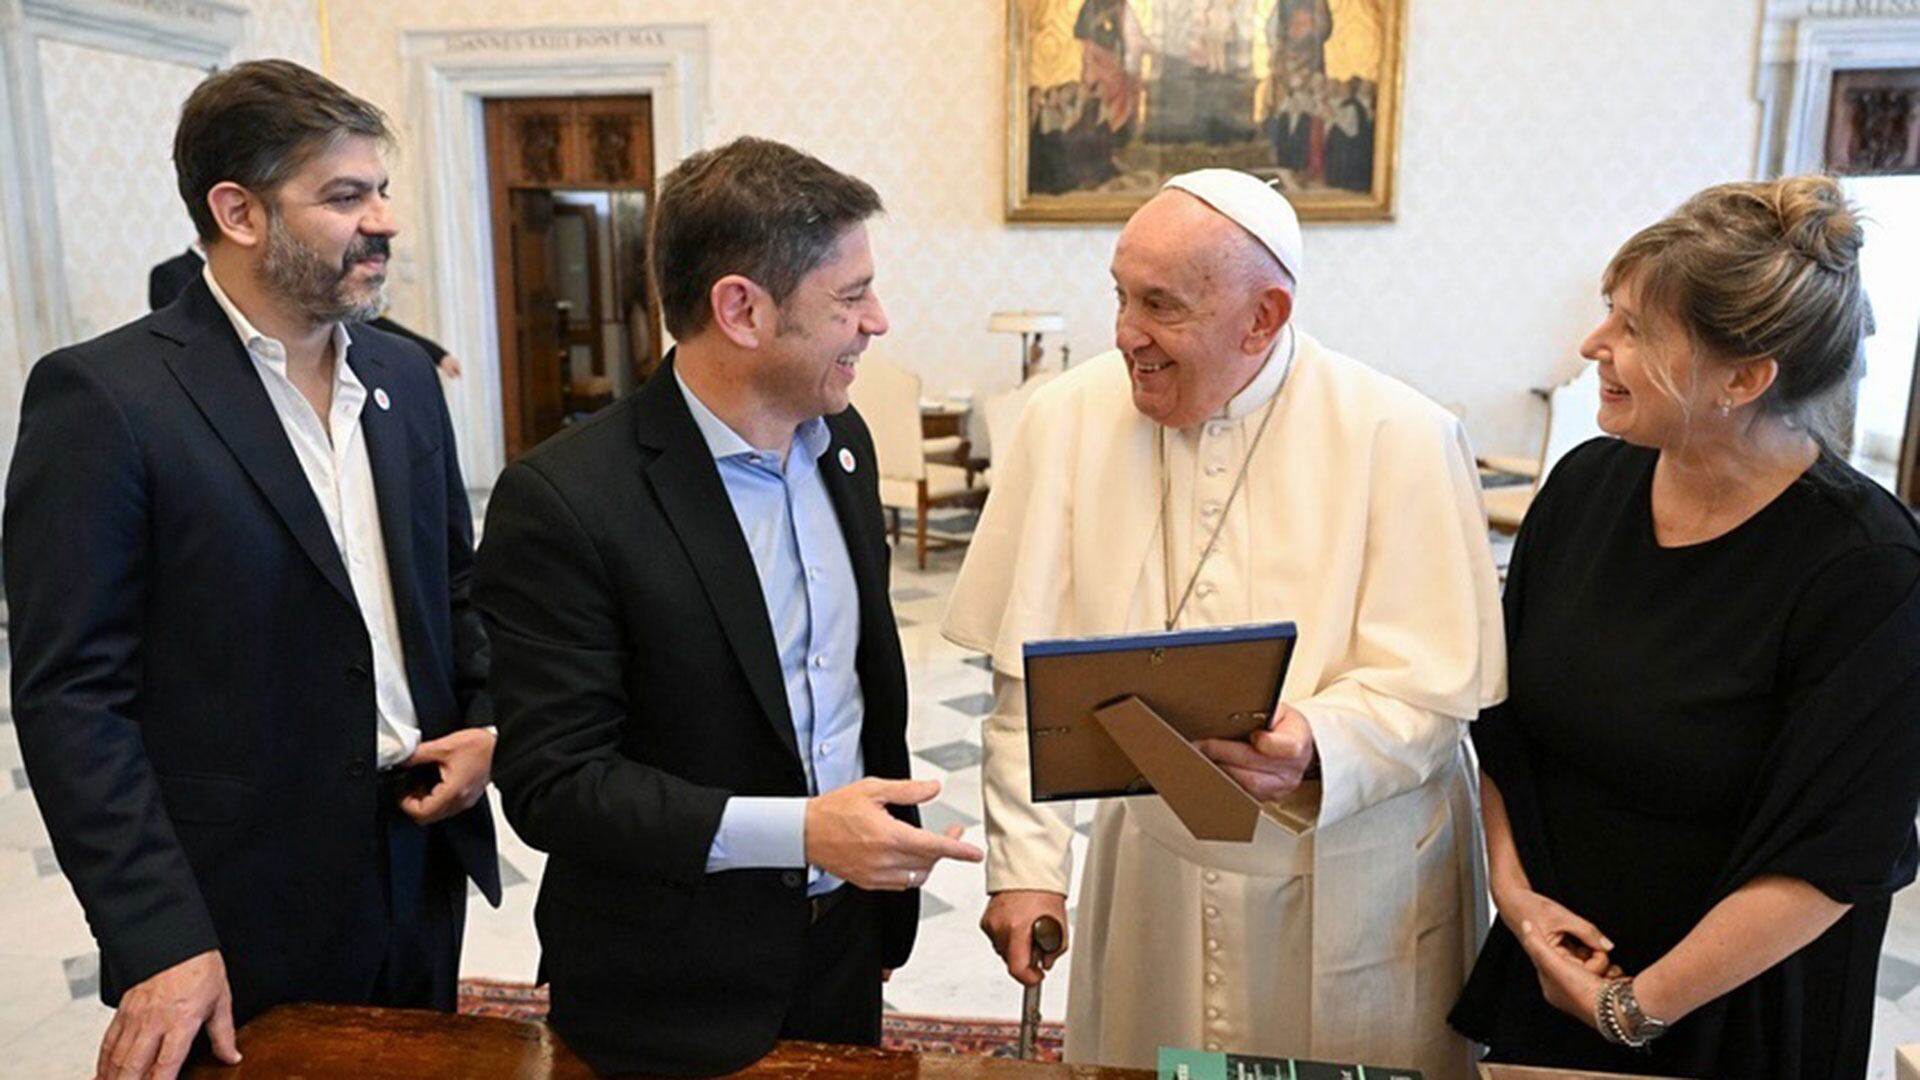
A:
(1211, 510)
(1213, 915)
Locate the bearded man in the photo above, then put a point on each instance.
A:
(1223, 467)
(247, 679)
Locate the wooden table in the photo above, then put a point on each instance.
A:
(940, 421)
(937, 421)
(339, 1042)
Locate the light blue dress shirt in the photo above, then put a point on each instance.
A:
(813, 603)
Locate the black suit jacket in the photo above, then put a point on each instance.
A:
(168, 279)
(638, 686)
(192, 681)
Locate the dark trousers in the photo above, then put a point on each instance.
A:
(424, 893)
(413, 900)
(839, 999)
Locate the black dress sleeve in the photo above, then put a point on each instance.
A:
(1498, 990)
(1497, 740)
(1838, 794)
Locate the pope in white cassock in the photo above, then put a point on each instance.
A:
(1223, 467)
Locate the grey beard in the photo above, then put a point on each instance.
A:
(316, 288)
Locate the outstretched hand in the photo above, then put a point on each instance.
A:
(850, 834)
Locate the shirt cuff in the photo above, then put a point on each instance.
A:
(759, 832)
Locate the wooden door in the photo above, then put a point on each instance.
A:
(539, 335)
(535, 147)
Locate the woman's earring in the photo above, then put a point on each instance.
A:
(1726, 407)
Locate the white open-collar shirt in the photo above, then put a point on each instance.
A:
(334, 458)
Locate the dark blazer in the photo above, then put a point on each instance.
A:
(638, 686)
(167, 280)
(192, 682)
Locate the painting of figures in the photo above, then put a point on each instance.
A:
(1108, 98)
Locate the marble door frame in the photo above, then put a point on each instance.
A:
(449, 74)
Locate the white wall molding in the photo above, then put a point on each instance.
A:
(198, 33)
(1824, 47)
(449, 74)
(1802, 44)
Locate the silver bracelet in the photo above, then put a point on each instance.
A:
(1621, 1021)
(1639, 1028)
(1606, 1017)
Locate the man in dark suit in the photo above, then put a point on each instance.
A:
(247, 679)
(701, 695)
(170, 277)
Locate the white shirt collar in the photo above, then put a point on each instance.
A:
(1267, 381)
(270, 350)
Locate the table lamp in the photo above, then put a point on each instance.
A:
(1030, 325)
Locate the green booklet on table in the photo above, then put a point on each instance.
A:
(1177, 1064)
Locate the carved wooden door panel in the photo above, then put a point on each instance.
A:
(540, 137)
(615, 139)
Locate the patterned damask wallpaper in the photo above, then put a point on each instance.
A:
(120, 211)
(113, 115)
(285, 28)
(1536, 138)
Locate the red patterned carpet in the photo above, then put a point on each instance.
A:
(902, 1031)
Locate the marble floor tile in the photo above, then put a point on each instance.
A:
(35, 988)
(61, 1045)
(953, 756)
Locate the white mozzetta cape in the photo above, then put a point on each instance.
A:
(1351, 941)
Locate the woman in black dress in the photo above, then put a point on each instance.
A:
(1699, 795)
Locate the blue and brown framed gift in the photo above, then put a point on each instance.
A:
(1109, 98)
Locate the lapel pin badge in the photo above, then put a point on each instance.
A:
(381, 399)
(846, 460)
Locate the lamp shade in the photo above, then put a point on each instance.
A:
(1026, 322)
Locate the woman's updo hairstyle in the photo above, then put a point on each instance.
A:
(1761, 269)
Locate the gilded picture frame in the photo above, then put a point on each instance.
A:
(1106, 99)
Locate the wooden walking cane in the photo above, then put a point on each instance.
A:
(1047, 939)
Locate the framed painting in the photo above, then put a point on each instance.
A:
(1874, 128)
(1108, 98)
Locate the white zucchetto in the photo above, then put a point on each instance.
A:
(1252, 204)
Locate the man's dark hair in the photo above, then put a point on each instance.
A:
(753, 207)
(255, 124)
